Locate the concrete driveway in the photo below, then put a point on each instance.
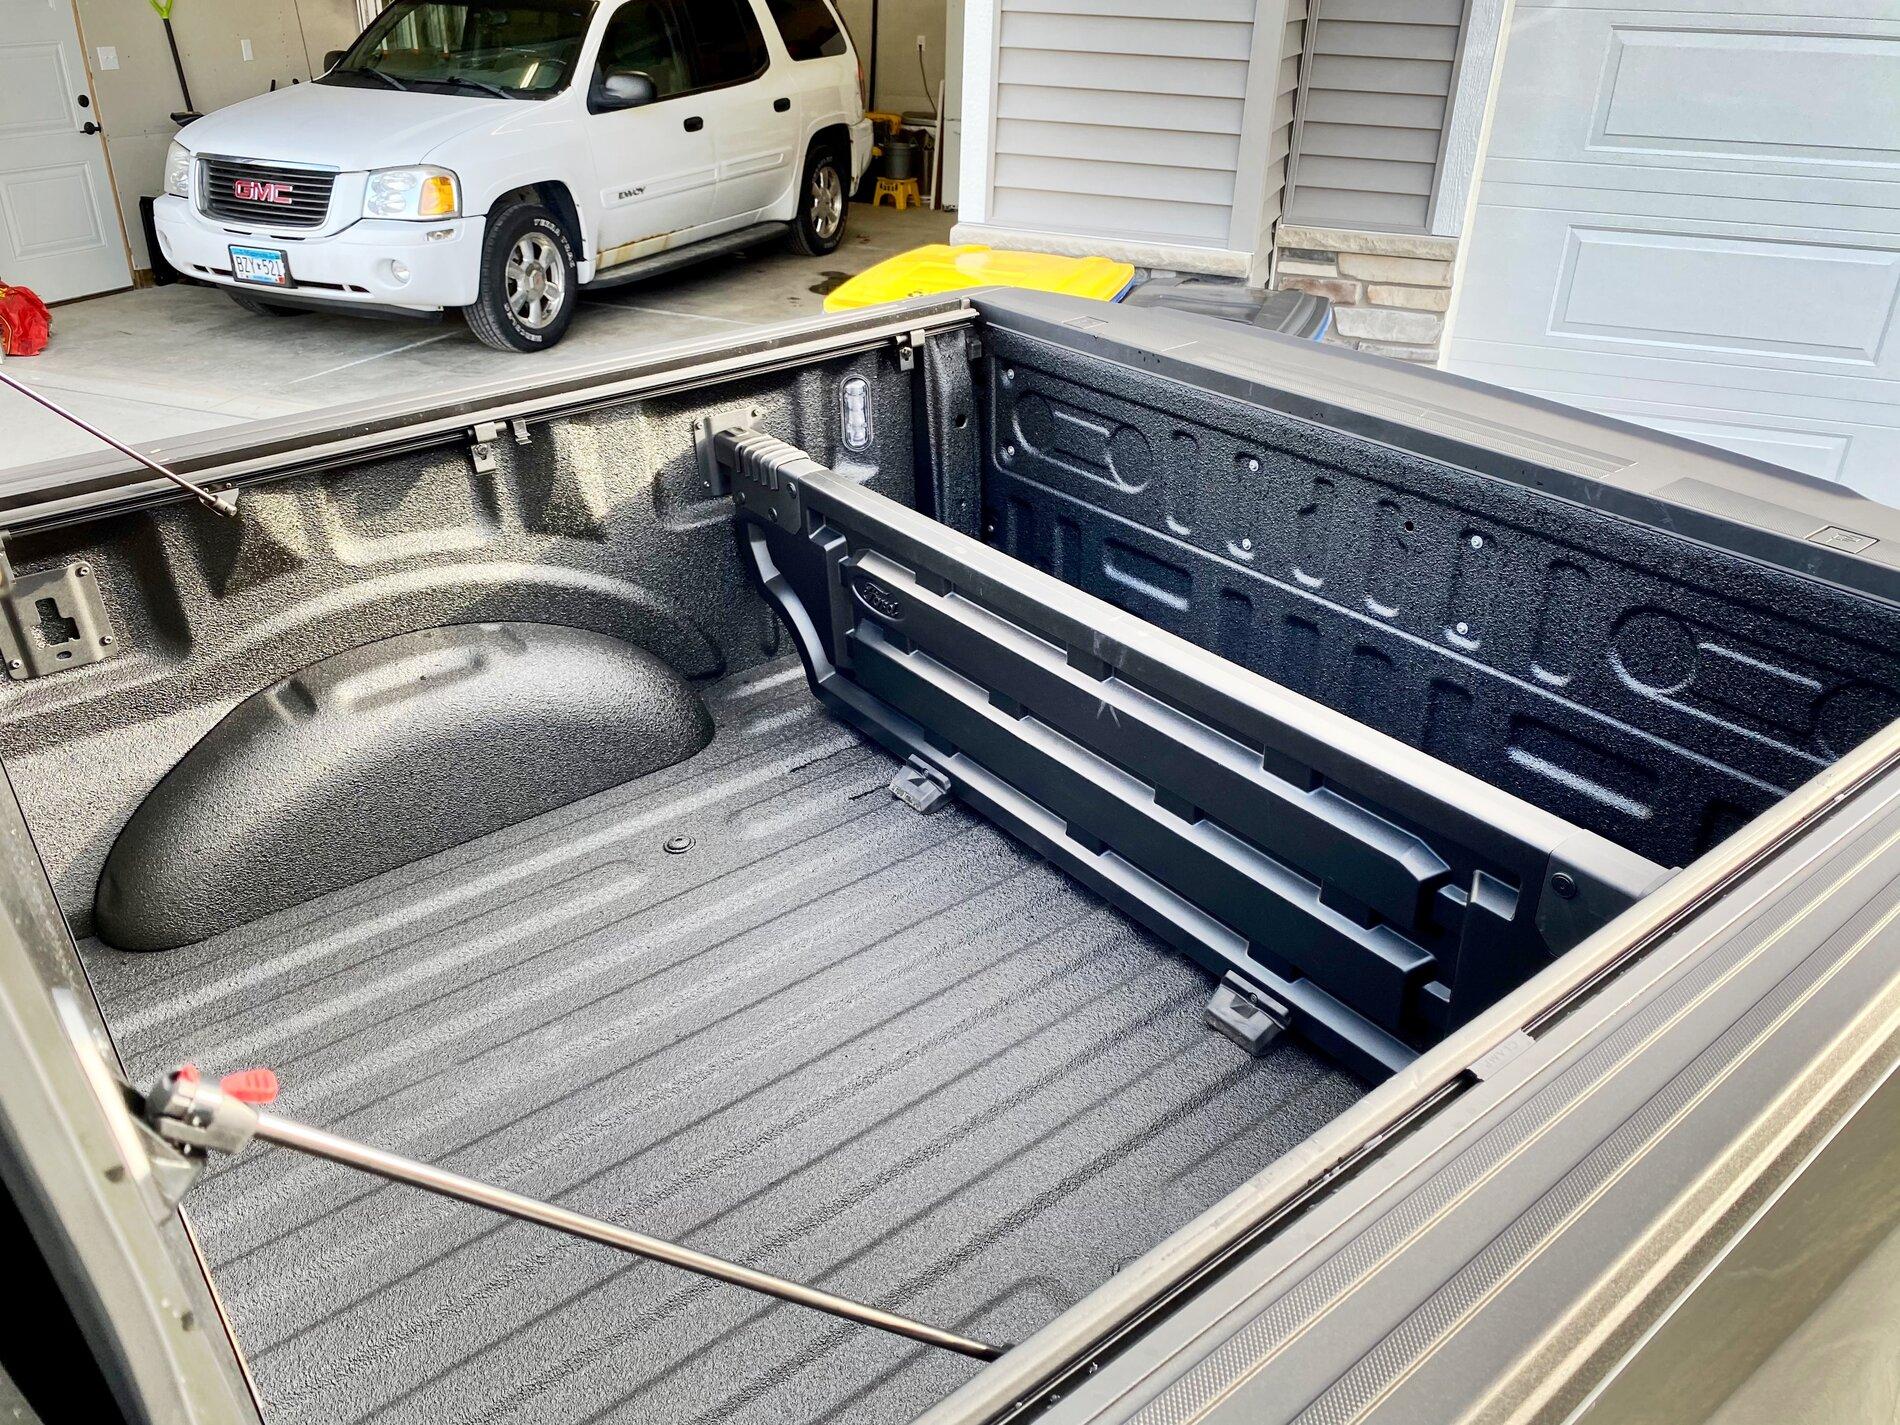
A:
(165, 362)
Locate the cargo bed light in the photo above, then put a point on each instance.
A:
(857, 413)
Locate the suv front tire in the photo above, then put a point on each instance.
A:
(530, 285)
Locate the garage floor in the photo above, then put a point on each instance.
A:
(157, 364)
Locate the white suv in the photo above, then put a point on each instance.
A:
(498, 155)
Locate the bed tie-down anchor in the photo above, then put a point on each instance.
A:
(200, 1118)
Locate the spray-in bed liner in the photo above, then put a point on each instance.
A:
(890, 1054)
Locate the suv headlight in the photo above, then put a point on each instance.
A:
(178, 171)
(412, 193)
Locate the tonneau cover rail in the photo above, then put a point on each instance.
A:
(57, 492)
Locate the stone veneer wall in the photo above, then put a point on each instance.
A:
(1390, 291)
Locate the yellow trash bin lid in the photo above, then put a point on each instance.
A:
(939, 267)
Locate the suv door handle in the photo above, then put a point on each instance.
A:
(781, 105)
(695, 124)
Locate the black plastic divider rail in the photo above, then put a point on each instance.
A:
(1376, 896)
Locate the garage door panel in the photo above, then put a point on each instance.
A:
(1724, 90)
(1751, 93)
(1761, 302)
(1689, 215)
(1797, 10)
(1662, 373)
(1832, 10)
(1809, 436)
(1811, 305)
(1750, 201)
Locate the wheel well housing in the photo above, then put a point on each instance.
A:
(555, 197)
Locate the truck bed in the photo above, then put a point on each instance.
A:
(1353, 695)
(812, 1042)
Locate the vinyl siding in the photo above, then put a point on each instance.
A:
(1285, 94)
(1372, 119)
(1121, 118)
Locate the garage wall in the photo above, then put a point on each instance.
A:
(135, 101)
(331, 24)
(900, 87)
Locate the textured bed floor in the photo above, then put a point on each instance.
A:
(893, 1055)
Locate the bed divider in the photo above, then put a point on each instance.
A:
(1360, 892)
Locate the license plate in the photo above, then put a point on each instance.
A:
(266, 266)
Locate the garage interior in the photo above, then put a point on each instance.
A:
(152, 361)
(224, 367)
(1463, 191)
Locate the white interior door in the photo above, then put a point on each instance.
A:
(59, 223)
(1690, 217)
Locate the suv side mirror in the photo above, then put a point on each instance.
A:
(626, 89)
(332, 59)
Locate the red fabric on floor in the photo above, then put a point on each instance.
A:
(25, 324)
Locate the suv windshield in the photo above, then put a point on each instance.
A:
(513, 49)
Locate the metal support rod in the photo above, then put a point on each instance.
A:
(221, 504)
(314, 1141)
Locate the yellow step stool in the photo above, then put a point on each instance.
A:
(901, 191)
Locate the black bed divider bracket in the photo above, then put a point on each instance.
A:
(921, 787)
(1247, 1014)
(1358, 891)
(759, 471)
(715, 476)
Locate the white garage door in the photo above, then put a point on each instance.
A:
(1690, 216)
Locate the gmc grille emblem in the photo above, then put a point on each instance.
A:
(252, 191)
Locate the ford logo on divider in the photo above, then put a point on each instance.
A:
(253, 191)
